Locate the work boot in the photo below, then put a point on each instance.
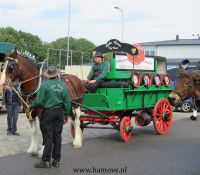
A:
(43, 165)
(9, 133)
(55, 163)
(15, 133)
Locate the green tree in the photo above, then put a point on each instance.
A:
(24, 42)
(76, 45)
(34, 45)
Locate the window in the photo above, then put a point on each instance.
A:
(150, 52)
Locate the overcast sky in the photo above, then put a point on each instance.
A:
(98, 20)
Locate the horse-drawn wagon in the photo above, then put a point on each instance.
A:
(135, 86)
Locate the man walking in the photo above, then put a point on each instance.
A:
(54, 98)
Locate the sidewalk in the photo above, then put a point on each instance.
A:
(10, 145)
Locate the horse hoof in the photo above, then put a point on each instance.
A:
(77, 146)
(32, 154)
(193, 118)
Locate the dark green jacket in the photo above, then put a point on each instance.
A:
(102, 68)
(53, 93)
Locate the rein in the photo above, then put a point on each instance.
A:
(20, 92)
(39, 84)
(29, 79)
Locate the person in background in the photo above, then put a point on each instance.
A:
(97, 73)
(184, 64)
(12, 103)
(54, 98)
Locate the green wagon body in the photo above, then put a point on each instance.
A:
(129, 98)
(119, 99)
(114, 99)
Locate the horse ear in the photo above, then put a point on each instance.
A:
(196, 76)
(14, 54)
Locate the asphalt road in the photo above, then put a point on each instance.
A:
(177, 153)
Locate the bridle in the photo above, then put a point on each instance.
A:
(19, 89)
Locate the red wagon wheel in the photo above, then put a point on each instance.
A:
(125, 128)
(162, 116)
(73, 130)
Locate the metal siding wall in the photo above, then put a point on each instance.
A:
(179, 51)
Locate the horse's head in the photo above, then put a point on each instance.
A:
(19, 68)
(12, 68)
(184, 88)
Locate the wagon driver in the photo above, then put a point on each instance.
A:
(97, 73)
(53, 97)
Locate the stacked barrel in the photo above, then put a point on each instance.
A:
(147, 79)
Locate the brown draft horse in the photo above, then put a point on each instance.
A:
(27, 74)
(187, 85)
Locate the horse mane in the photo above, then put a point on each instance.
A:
(27, 55)
(191, 73)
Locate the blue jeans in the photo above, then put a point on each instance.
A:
(12, 116)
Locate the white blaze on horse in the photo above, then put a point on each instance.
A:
(27, 74)
(187, 85)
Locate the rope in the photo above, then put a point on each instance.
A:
(27, 111)
(19, 96)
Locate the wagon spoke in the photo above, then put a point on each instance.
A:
(159, 119)
(168, 112)
(160, 124)
(163, 107)
(167, 108)
(165, 125)
(158, 115)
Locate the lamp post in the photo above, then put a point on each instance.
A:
(122, 20)
(68, 34)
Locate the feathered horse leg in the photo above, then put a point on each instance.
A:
(41, 150)
(194, 114)
(77, 142)
(33, 148)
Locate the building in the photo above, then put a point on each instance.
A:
(175, 50)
